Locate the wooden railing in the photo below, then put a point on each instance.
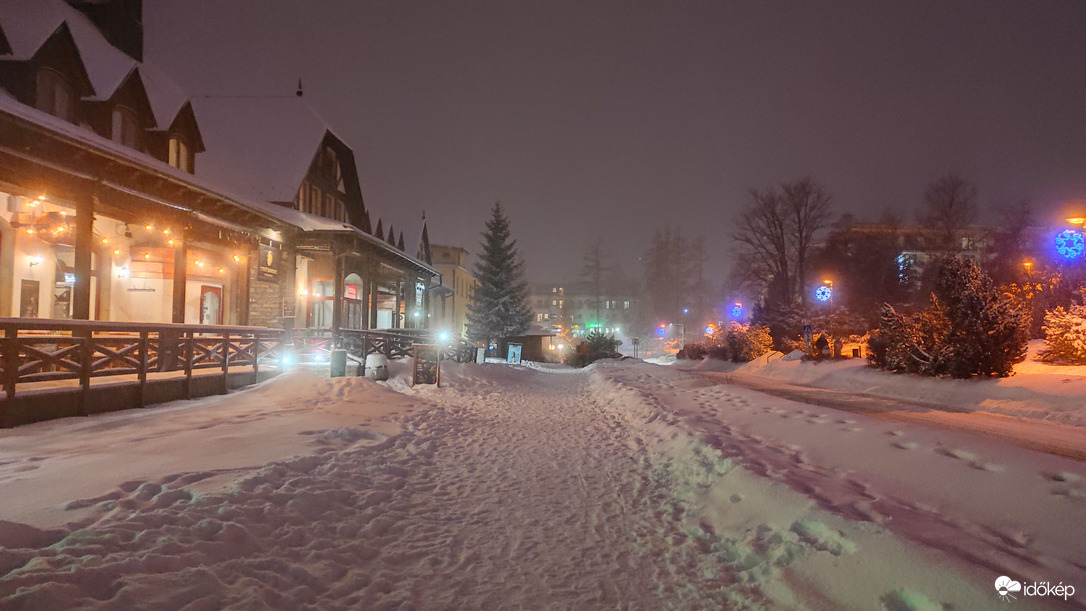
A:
(317, 344)
(42, 350)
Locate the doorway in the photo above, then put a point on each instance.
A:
(210, 305)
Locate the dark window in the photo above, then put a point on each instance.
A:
(55, 95)
(126, 129)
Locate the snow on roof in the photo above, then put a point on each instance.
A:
(259, 147)
(29, 23)
(166, 97)
(88, 138)
(536, 330)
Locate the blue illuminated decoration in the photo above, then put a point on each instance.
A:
(737, 311)
(823, 293)
(1070, 244)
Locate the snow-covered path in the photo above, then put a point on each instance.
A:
(622, 486)
(507, 492)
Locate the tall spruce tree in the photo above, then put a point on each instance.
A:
(501, 307)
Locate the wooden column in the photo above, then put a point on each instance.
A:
(180, 277)
(339, 264)
(84, 248)
(397, 318)
(243, 288)
(372, 284)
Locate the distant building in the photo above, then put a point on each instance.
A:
(450, 308)
(572, 307)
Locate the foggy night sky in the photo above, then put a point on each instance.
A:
(591, 118)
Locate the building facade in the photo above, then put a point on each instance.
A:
(121, 200)
(450, 311)
(573, 308)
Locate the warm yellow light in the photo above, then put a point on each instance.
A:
(146, 255)
(237, 258)
(170, 242)
(222, 270)
(41, 197)
(149, 226)
(166, 231)
(29, 231)
(63, 213)
(1077, 220)
(1028, 264)
(105, 240)
(116, 251)
(198, 263)
(304, 293)
(827, 281)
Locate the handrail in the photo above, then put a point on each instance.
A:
(34, 350)
(63, 324)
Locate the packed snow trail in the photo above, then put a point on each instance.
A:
(506, 488)
(519, 492)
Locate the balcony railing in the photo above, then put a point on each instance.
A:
(45, 350)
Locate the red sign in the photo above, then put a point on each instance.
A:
(352, 291)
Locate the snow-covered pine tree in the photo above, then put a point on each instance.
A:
(988, 333)
(501, 307)
(1065, 336)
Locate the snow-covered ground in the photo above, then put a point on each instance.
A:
(1054, 393)
(624, 485)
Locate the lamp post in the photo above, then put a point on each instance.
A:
(825, 292)
(682, 333)
(1029, 268)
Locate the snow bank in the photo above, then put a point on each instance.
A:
(1037, 390)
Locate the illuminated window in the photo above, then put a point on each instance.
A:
(179, 154)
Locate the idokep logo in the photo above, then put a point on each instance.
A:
(1006, 587)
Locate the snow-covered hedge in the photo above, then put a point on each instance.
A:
(1065, 336)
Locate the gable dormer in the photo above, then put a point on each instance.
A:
(55, 79)
(178, 143)
(125, 116)
(330, 188)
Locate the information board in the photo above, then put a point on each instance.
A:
(427, 364)
(514, 354)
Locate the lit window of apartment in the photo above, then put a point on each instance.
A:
(179, 154)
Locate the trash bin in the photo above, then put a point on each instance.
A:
(338, 363)
(377, 367)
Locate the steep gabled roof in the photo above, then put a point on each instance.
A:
(261, 147)
(166, 98)
(28, 24)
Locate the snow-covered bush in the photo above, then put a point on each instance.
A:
(1065, 336)
(747, 342)
(598, 345)
(969, 329)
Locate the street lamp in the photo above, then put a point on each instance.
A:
(1029, 268)
(682, 332)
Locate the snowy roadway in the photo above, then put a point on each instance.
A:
(623, 486)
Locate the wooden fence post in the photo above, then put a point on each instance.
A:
(142, 372)
(225, 359)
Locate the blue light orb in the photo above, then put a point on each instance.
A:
(737, 311)
(823, 293)
(1070, 244)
